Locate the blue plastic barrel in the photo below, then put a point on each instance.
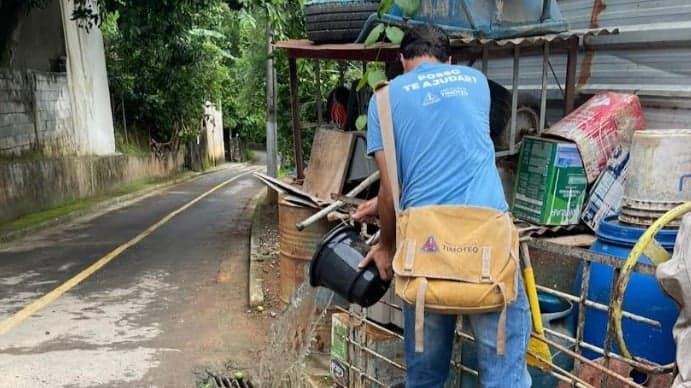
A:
(643, 296)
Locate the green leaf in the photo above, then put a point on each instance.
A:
(374, 35)
(409, 7)
(384, 7)
(375, 77)
(363, 81)
(394, 34)
(361, 122)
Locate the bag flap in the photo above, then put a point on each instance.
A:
(454, 242)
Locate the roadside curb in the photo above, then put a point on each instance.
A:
(109, 204)
(256, 279)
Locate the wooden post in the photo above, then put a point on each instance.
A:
(318, 102)
(295, 109)
(271, 135)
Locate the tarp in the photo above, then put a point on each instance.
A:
(675, 277)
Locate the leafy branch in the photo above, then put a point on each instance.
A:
(374, 74)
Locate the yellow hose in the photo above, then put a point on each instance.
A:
(631, 261)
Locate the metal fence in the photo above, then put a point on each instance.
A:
(362, 355)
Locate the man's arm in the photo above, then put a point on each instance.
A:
(382, 253)
(387, 214)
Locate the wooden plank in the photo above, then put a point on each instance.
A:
(328, 165)
(577, 240)
(382, 52)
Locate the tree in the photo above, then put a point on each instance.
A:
(167, 61)
(11, 12)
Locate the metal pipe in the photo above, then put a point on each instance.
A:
(377, 354)
(571, 61)
(582, 300)
(599, 306)
(361, 373)
(337, 204)
(648, 368)
(608, 333)
(362, 318)
(586, 255)
(295, 112)
(586, 361)
(514, 100)
(568, 375)
(543, 92)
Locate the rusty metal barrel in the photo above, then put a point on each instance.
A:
(296, 248)
(659, 176)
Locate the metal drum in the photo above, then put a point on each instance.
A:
(296, 248)
(660, 177)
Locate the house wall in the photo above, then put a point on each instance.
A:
(651, 56)
(35, 113)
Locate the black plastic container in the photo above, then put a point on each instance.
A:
(335, 266)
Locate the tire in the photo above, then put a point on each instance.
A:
(337, 22)
(500, 109)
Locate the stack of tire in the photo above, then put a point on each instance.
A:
(337, 21)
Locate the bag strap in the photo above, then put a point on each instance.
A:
(420, 316)
(387, 134)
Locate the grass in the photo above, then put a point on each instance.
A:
(248, 155)
(38, 218)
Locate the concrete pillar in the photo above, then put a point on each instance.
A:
(88, 86)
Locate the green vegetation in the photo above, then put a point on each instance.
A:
(165, 62)
(55, 214)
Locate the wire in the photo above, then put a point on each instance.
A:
(556, 79)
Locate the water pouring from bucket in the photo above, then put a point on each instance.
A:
(335, 266)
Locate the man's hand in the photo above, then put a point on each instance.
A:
(367, 211)
(382, 257)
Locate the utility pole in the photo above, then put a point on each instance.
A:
(271, 136)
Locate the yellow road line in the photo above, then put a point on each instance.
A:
(50, 297)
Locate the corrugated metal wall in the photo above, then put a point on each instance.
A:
(651, 56)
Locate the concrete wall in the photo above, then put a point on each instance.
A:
(213, 125)
(35, 113)
(55, 113)
(34, 185)
(40, 41)
(88, 83)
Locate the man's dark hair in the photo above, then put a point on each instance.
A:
(425, 39)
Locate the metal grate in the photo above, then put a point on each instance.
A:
(220, 380)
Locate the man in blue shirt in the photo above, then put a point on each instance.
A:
(445, 157)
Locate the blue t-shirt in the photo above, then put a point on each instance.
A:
(441, 129)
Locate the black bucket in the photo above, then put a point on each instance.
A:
(335, 266)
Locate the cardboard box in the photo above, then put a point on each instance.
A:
(550, 184)
(606, 195)
(599, 126)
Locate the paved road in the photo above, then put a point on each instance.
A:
(169, 306)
